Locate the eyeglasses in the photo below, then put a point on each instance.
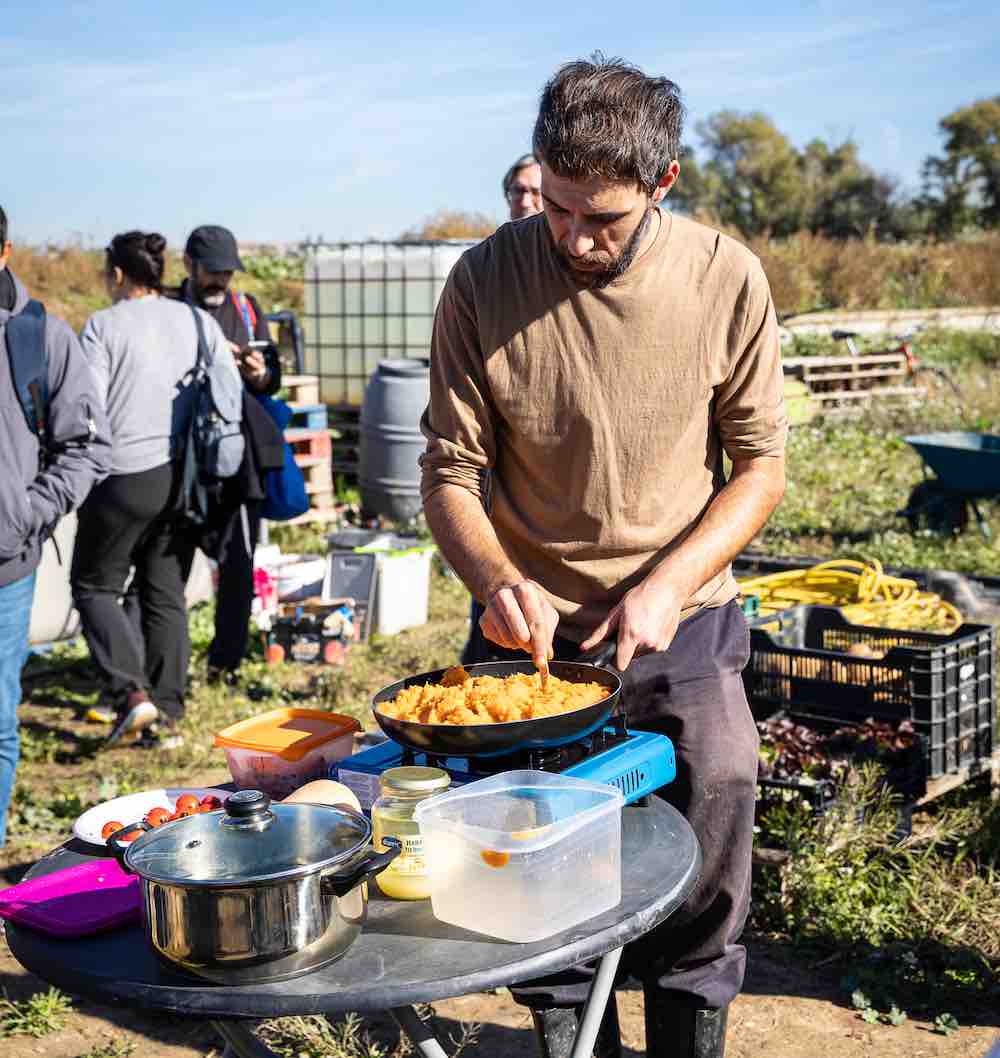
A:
(519, 191)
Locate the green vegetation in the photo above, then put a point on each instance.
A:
(38, 1015)
(751, 177)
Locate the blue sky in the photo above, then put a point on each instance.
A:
(349, 120)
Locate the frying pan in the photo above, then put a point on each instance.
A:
(492, 740)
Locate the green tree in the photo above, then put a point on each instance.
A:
(843, 197)
(963, 186)
(751, 175)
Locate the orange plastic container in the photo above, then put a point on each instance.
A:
(279, 751)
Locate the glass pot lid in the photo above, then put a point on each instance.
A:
(250, 842)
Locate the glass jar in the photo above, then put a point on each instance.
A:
(406, 878)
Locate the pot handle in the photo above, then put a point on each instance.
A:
(340, 883)
(602, 655)
(113, 842)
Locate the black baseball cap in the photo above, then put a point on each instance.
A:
(214, 248)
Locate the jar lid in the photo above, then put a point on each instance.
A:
(250, 842)
(416, 780)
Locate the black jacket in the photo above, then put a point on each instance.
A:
(230, 319)
(264, 451)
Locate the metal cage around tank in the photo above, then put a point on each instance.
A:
(370, 301)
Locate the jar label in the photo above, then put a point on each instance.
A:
(411, 859)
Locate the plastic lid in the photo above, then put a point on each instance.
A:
(251, 841)
(415, 779)
(288, 733)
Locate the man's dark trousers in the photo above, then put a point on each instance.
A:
(693, 693)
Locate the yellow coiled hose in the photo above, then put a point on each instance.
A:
(865, 593)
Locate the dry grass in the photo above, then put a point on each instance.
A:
(809, 271)
(69, 280)
(806, 271)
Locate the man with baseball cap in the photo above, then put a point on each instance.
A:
(211, 257)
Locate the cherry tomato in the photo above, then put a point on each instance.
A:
(186, 801)
(131, 835)
(185, 812)
(110, 827)
(205, 808)
(157, 816)
(212, 801)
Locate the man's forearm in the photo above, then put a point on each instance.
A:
(732, 520)
(467, 539)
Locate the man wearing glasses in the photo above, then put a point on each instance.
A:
(522, 187)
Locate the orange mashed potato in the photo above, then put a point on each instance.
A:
(463, 699)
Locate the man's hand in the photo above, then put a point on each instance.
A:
(519, 617)
(253, 368)
(646, 620)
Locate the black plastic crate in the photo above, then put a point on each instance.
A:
(905, 772)
(945, 684)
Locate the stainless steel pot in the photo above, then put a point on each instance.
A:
(255, 892)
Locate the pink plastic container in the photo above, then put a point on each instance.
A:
(76, 901)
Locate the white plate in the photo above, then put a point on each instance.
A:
(133, 807)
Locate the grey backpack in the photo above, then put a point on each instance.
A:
(214, 443)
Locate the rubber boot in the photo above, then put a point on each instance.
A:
(555, 1030)
(677, 1029)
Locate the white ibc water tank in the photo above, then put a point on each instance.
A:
(370, 301)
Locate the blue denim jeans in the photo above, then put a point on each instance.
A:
(15, 620)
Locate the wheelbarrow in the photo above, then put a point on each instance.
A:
(967, 466)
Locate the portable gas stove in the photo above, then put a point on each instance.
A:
(637, 762)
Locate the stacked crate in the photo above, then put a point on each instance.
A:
(310, 440)
(944, 685)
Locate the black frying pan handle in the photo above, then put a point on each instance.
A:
(602, 655)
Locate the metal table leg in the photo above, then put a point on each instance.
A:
(241, 1041)
(418, 1031)
(601, 988)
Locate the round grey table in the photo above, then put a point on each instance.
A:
(403, 956)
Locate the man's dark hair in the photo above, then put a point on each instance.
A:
(606, 118)
(139, 255)
(3, 228)
(522, 163)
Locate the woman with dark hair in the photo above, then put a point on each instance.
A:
(143, 351)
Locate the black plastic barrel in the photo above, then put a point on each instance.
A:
(391, 442)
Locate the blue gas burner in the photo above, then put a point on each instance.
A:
(637, 762)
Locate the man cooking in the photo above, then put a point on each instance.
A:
(601, 360)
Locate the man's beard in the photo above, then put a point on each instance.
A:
(609, 271)
(212, 297)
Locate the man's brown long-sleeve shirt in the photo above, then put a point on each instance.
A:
(602, 414)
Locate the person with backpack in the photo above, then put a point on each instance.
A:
(211, 258)
(56, 447)
(148, 354)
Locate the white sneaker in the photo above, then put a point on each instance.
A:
(138, 718)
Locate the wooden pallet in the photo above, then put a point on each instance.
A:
(986, 766)
(315, 444)
(301, 389)
(844, 385)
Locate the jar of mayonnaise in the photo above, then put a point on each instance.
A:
(406, 878)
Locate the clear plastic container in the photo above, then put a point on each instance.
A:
(523, 855)
(281, 750)
(406, 878)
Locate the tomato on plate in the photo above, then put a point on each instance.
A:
(157, 816)
(212, 801)
(131, 835)
(110, 827)
(187, 802)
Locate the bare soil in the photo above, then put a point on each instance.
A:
(788, 1010)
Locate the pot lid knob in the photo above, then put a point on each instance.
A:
(247, 804)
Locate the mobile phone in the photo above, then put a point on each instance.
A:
(257, 344)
